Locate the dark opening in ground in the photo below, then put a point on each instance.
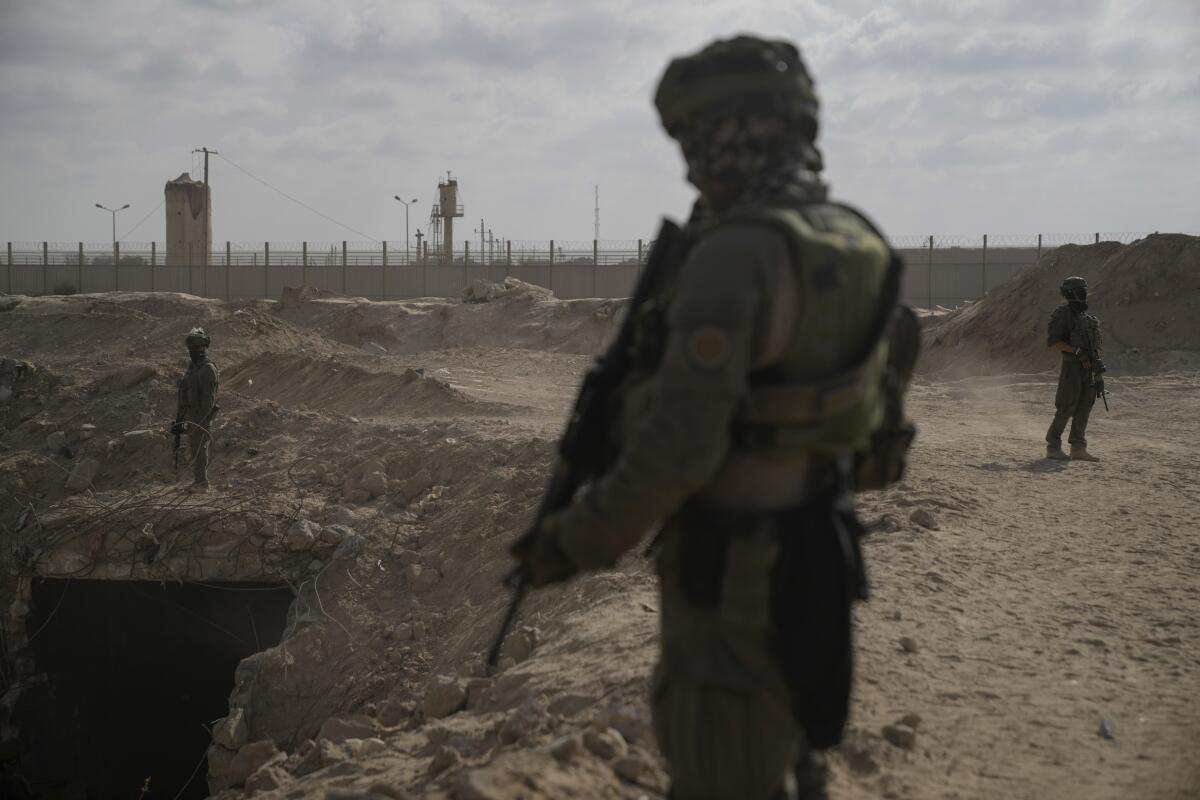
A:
(136, 671)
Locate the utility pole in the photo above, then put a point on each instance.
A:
(482, 249)
(207, 203)
(597, 231)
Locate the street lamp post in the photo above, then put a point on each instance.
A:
(407, 260)
(113, 211)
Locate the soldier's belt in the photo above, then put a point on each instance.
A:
(805, 404)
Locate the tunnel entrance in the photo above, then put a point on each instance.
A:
(135, 672)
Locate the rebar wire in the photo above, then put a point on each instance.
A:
(192, 777)
(294, 200)
(125, 235)
(57, 605)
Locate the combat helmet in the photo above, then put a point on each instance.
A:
(1074, 288)
(197, 338)
(737, 77)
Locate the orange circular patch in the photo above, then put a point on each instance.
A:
(709, 347)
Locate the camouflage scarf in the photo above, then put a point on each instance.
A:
(763, 154)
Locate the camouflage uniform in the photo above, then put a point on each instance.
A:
(1076, 393)
(198, 403)
(731, 432)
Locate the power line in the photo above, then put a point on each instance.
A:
(294, 200)
(125, 235)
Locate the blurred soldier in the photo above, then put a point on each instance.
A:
(197, 405)
(757, 377)
(1076, 334)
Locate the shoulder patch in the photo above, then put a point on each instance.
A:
(709, 347)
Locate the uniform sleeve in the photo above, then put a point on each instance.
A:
(683, 439)
(1059, 329)
(208, 390)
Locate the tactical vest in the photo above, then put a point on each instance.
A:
(824, 397)
(1084, 331)
(189, 387)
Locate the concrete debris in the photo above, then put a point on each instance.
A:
(481, 291)
(566, 748)
(607, 744)
(232, 732)
(133, 441)
(1107, 729)
(250, 758)
(444, 759)
(339, 729)
(268, 778)
(632, 723)
(444, 696)
(375, 349)
(302, 535)
(333, 534)
(82, 475)
(520, 644)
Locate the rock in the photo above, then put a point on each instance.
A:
(415, 485)
(334, 534)
(56, 441)
(339, 729)
(631, 768)
(444, 759)
(343, 516)
(1107, 729)
(136, 440)
(251, 758)
(901, 736)
(520, 724)
(924, 518)
(568, 705)
(911, 720)
(631, 723)
(908, 644)
(607, 744)
(476, 690)
(565, 748)
(219, 759)
(420, 577)
(388, 790)
(5, 394)
(128, 377)
(375, 349)
(82, 475)
(374, 483)
(444, 696)
(268, 778)
(232, 732)
(302, 535)
(86, 431)
(520, 644)
(393, 712)
(889, 523)
(481, 291)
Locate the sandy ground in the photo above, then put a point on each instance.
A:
(1046, 597)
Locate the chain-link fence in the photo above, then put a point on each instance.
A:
(941, 270)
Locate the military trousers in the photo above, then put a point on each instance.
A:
(199, 442)
(1073, 402)
(755, 665)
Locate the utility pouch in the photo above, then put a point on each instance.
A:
(886, 457)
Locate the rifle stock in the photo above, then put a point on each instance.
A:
(582, 449)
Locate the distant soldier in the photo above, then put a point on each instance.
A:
(197, 405)
(1075, 334)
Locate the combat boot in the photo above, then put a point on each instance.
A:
(1054, 450)
(1080, 453)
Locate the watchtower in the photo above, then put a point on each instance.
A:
(446, 210)
(189, 229)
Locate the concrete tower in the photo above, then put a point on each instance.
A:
(447, 209)
(189, 221)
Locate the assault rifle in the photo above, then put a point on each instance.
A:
(583, 450)
(177, 427)
(1098, 368)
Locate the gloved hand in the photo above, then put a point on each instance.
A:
(541, 559)
(178, 427)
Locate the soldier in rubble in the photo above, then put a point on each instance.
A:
(1076, 334)
(197, 406)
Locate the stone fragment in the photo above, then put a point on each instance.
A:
(302, 535)
(339, 729)
(415, 485)
(908, 644)
(334, 534)
(1107, 729)
(82, 475)
(249, 759)
(268, 778)
(219, 758)
(374, 484)
(566, 748)
(232, 732)
(631, 723)
(924, 518)
(631, 768)
(393, 712)
(87, 430)
(343, 516)
(901, 736)
(56, 441)
(607, 744)
(520, 644)
(375, 349)
(911, 720)
(476, 690)
(568, 705)
(444, 696)
(481, 291)
(5, 394)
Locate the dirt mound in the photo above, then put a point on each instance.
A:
(327, 383)
(522, 316)
(303, 294)
(1146, 294)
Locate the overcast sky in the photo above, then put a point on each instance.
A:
(939, 116)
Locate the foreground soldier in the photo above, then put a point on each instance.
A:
(757, 374)
(197, 406)
(1076, 334)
